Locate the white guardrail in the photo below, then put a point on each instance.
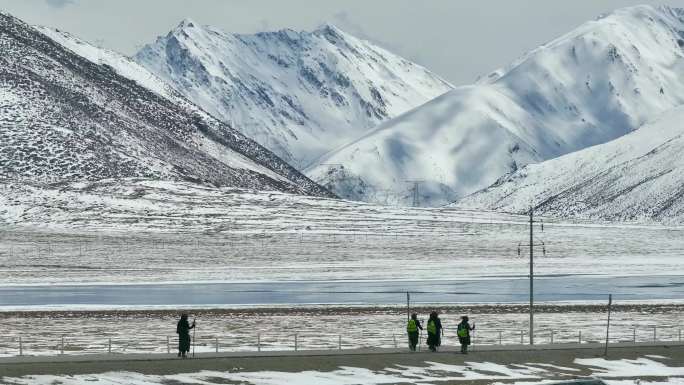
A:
(84, 344)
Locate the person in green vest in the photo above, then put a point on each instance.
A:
(434, 330)
(412, 329)
(463, 330)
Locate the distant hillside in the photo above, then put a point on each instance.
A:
(69, 117)
(590, 86)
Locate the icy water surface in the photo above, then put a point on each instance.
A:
(501, 290)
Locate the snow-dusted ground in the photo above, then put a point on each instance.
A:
(659, 370)
(322, 328)
(135, 231)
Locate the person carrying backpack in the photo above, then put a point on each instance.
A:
(433, 328)
(412, 328)
(463, 332)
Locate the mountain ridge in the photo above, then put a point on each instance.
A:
(590, 86)
(636, 177)
(298, 93)
(67, 117)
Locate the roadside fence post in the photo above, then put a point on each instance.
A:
(21, 347)
(109, 346)
(258, 342)
(217, 345)
(521, 337)
(654, 334)
(552, 337)
(168, 344)
(295, 342)
(500, 337)
(634, 335)
(61, 346)
(339, 342)
(579, 337)
(394, 337)
(680, 335)
(420, 339)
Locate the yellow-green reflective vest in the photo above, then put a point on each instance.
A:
(432, 327)
(412, 327)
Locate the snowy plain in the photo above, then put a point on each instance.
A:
(97, 232)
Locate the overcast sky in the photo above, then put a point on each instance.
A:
(457, 39)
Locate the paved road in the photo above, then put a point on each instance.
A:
(500, 290)
(377, 359)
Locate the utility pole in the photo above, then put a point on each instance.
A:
(532, 245)
(610, 302)
(408, 306)
(531, 276)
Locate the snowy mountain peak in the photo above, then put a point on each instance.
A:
(72, 111)
(590, 86)
(187, 23)
(330, 30)
(299, 94)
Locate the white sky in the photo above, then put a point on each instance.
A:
(457, 39)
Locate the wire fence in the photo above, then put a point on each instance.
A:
(258, 342)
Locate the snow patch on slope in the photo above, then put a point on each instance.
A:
(123, 65)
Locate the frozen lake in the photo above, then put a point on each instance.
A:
(500, 290)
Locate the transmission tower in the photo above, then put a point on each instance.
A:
(415, 191)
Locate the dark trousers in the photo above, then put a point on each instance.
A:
(464, 341)
(413, 340)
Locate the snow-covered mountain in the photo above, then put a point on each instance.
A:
(590, 86)
(300, 94)
(636, 177)
(64, 116)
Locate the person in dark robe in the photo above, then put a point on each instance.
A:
(183, 329)
(433, 339)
